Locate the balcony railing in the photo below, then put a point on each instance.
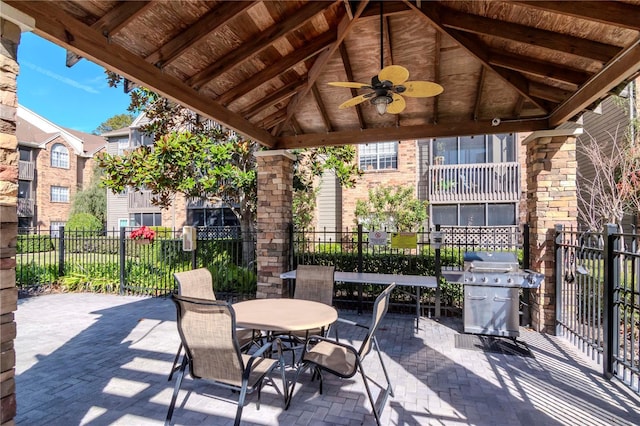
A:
(492, 182)
(26, 207)
(26, 170)
(140, 202)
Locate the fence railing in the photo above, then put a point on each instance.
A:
(598, 298)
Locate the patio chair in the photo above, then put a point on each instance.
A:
(207, 330)
(344, 360)
(313, 282)
(198, 284)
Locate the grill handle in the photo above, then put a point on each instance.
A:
(476, 297)
(501, 299)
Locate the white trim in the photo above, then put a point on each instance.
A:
(48, 127)
(274, 152)
(575, 131)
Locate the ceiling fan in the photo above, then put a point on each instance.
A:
(389, 86)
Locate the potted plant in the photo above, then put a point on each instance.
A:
(143, 235)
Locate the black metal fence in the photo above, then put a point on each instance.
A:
(354, 250)
(112, 262)
(598, 298)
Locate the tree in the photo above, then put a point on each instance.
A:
(391, 208)
(93, 199)
(114, 123)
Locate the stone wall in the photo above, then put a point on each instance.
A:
(274, 214)
(551, 200)
(9, 40)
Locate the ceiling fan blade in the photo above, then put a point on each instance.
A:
(355, 101)
(350, 84)
(422, 89)
(394, 73)
(397, 106)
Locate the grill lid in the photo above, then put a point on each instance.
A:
(486, 261)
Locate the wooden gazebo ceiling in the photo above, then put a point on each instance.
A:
(262, 67)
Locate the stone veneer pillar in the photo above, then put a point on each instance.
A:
(551, 200)
(9, 40)
(274, 214)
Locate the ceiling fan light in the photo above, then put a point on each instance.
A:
(381, 102)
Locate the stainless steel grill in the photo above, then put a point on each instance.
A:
(492, 283)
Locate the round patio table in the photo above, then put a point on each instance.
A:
(283, 315)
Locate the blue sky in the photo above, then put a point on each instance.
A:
(78, 97)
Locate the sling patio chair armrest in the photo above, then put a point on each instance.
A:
(346, 321)
(314, 339)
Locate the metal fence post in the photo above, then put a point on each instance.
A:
(526, 264)
(122, 253)
(438, 267)
(360, 266)
(611, 274)
(559, 256)
(61, 251)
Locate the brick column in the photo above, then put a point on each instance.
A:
(9, 40)
(551, 200)
(274, 214)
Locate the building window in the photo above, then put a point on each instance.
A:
(378, 156)
(123, 223)
(25, 154)
(59, 156)
(146, 219)
(59, 194)
(498, 148)
(212, 217)
(488, 214)
(123, 145)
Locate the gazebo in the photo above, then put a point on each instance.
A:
(262, 68)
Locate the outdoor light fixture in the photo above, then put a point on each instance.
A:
(381, 102)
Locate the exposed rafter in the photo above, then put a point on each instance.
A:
(538, 68)
(607, 12)
(354, 92)
(321, 108)
(118, 17)
(279, 95)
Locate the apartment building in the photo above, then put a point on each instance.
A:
(134, 208)
(467, 180)
(54, 163)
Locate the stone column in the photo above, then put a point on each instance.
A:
(9, 40)
(551, 200)
(274, 214)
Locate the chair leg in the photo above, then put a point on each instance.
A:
(176, 389)
(175, 362)
(389, 389)
(300, 369)
(366, 386)
(243, 394)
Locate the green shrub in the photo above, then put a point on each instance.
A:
(31, 274)
(85, 222)
(33, 244)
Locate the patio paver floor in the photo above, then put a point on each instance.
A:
(103, 359)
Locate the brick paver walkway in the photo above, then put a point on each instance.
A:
(102, 359)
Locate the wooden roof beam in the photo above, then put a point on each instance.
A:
(476, 108)
(195, 32)
(119, 16)
(345, 26)
(431, 13)
(538, 68)
(585, 48)
(63, 29)
(354, 92)
(309, 50)
(606, 12)
(257, 44)
(390, 8)
(384, 134)
(279, 95)
(323, 111)
(617, 71)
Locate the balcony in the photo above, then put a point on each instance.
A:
(26, 207)
(26, 170)
(459, 183)
(140, 202)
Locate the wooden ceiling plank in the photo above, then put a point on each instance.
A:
(207, 24)
(606, 12)
(251, 47)
(278, 96)
(311, 49)
(354, 92)
(61, 28)
(390, 8)
(431, 13)
(538, 68)
(618, 70)
(548, 93)
(528, 35)
(384, 134)
(118, 17)
(321, 108)
(344, 27)
(272, 120)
